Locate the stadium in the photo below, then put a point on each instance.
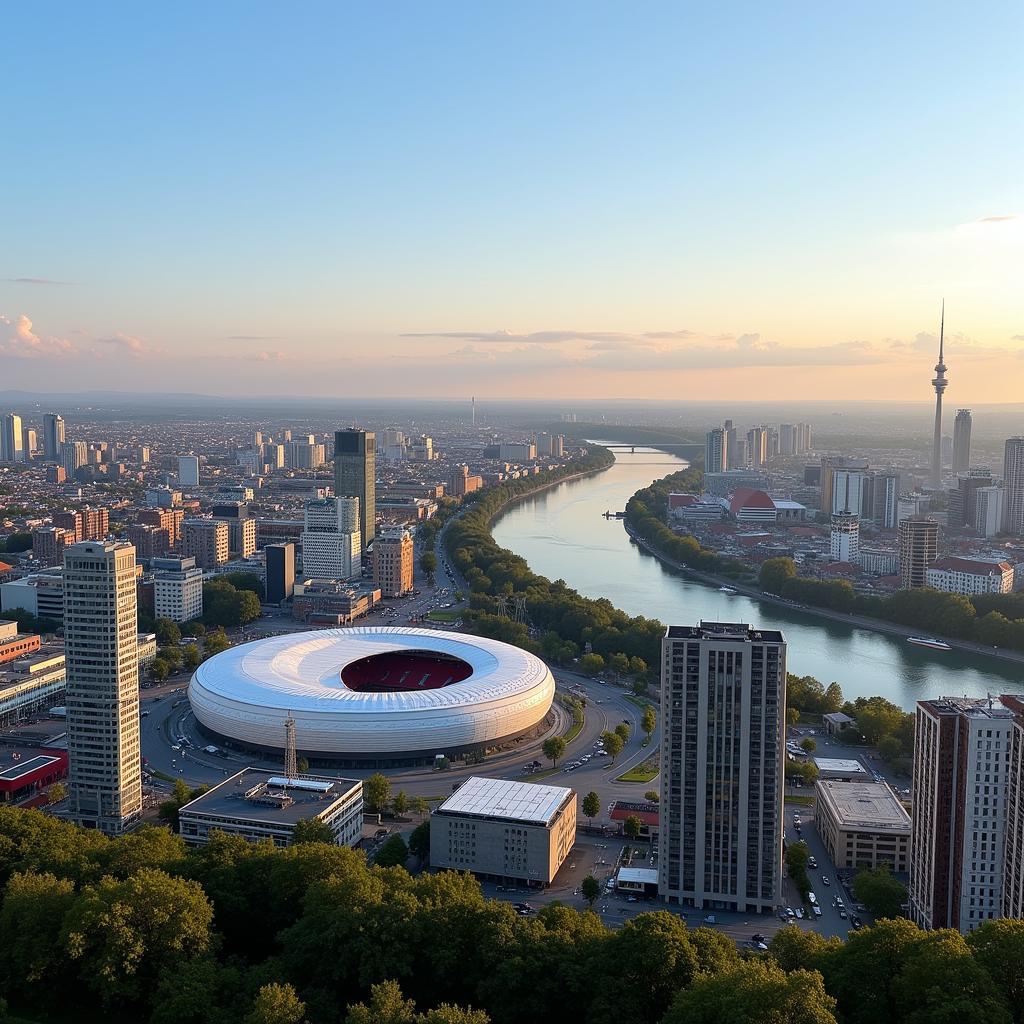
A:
(373, 695)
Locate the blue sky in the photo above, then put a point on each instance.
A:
(695, 201)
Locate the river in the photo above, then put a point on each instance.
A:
(562, 534)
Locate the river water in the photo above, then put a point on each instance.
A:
(562, 534)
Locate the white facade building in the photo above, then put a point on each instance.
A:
(188, 470)
(988, 510)
(177, 589)
(971, 576)
(845, 538)
(331, 540)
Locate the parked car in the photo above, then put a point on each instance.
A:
(825, 880)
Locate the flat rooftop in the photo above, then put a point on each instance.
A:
(526, 802)
(871, 806)
(23, 768)
(741, 632)
(268, 798)
(638, 876)
(844, 765)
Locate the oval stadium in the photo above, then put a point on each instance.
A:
(372, 694)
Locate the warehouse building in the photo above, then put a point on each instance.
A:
(513, 831)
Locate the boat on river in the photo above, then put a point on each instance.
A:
(928, 641)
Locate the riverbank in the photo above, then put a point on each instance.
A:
(849, 619)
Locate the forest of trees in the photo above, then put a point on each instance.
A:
(139, 929)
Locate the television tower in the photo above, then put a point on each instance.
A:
(473, 403)
(940, 384)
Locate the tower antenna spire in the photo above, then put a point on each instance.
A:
(942, 329)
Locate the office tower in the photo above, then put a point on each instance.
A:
(919, 539)
(56, 474)
(885, 497)
(1013, 483)
(960, 509)
(206, 540)
(736, 458)
(988, 510)
(422, 449)
(275, 456)
(101, 650)
(331, 544)
(74, 456)
(280, 572)
(30, 443)
(716, 451)
(803, 438)
(757, 447)
(49, 542)
(849, 491)
(250, 459)
(787, 439)
(241, 526)
(393, 561)
(355, 475)
(940, 384)
(543, 442)
(177, 588)
(961, 775)
(845, 538)
(53, 437)
(723, 702)
(304, 453)
(188, 470)
(962, 441)
(772, 442)
(12, 439)
(557, 446)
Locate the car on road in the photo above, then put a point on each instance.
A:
(825, 880)
(812, 899)
(812, 862)
(842, 913)
(817, 910)
(800, 913)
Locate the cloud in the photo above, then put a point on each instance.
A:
(252, 337)
(1017, 337)
(34, 280)
(997, 220)
(127, 342)
(268, 357)
(19, 339)
(536, 338)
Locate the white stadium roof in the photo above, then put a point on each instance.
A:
(501, 798)
(247, 692)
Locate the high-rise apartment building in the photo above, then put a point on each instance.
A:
(787, 439)
(461, 482)
(736, 451)
(723, 698)
(88, 523)
(757, 447)
(962, 441)
(188, 470)
(716, 451)
(845, 538)
(988, 510)
(885, 499)
(12, 439)
(962, 761)
(961, 503)
(851, 491)
(149, 541)
(280, 562)
(75, 455)
(331, 543)
(355, 475)
(101, 650)
(1013, 831)
(177, 588)
(393, 561)
(53, 437)
(1013, 483)
(919, 547)
(168, 518)
(49, 542)
(205, 540)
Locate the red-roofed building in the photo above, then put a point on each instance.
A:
(648, 813)
(748, 505)
(970, 576)
(29, 775)
(681, 500)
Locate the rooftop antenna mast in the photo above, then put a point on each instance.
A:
(473, 405)
(290, 760)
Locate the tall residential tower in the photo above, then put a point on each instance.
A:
(355, 475)
(962, 441)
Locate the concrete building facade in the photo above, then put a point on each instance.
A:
(393, 562)
(918, 542)
(355, 476)
(177, 588)
(205, 540)
(862, 824)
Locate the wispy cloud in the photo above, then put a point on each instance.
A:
(269, 357)
(34, 280)
(128, 343)
(251, 337)
(998, 219)
(552, 337)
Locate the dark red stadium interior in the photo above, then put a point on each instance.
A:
(401, 671)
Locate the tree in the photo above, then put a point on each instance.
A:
(775, 573)
(419, 841)
(649, 720)
(998, 946)
(58, 791)
(796, 866)
(244, 581)
(388, 1006)
(377, 791)
(619, 663)
(159, 670)
(882, 894)
(400, 803)
(590, 887)
(180, 795)
(754, 992)
(612, 744)
(420, 805)
(302, 765)
(167, 632)
(792, 716)
(591, 806)
(632, 826)
(808, 744)
(591, 664)
(623, 730)
(793, 948)
(215, 642)
(652, 796)
(428, 563)
(554, 748)
(190, 658)
(276, 1004)
(312, 830)
(394, 853)
(640, 686)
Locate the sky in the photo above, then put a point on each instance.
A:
(592, 200)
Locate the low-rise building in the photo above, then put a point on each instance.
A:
(14, 644)
(331, 602)
(970, 576)
(32, 683)
(862, 824)
(846, 768)
(41, 594)
(516, 831)
(259, 805)
(835, 722)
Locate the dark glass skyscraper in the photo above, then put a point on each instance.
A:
(355, 475)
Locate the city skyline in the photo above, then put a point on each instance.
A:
(509, 213)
